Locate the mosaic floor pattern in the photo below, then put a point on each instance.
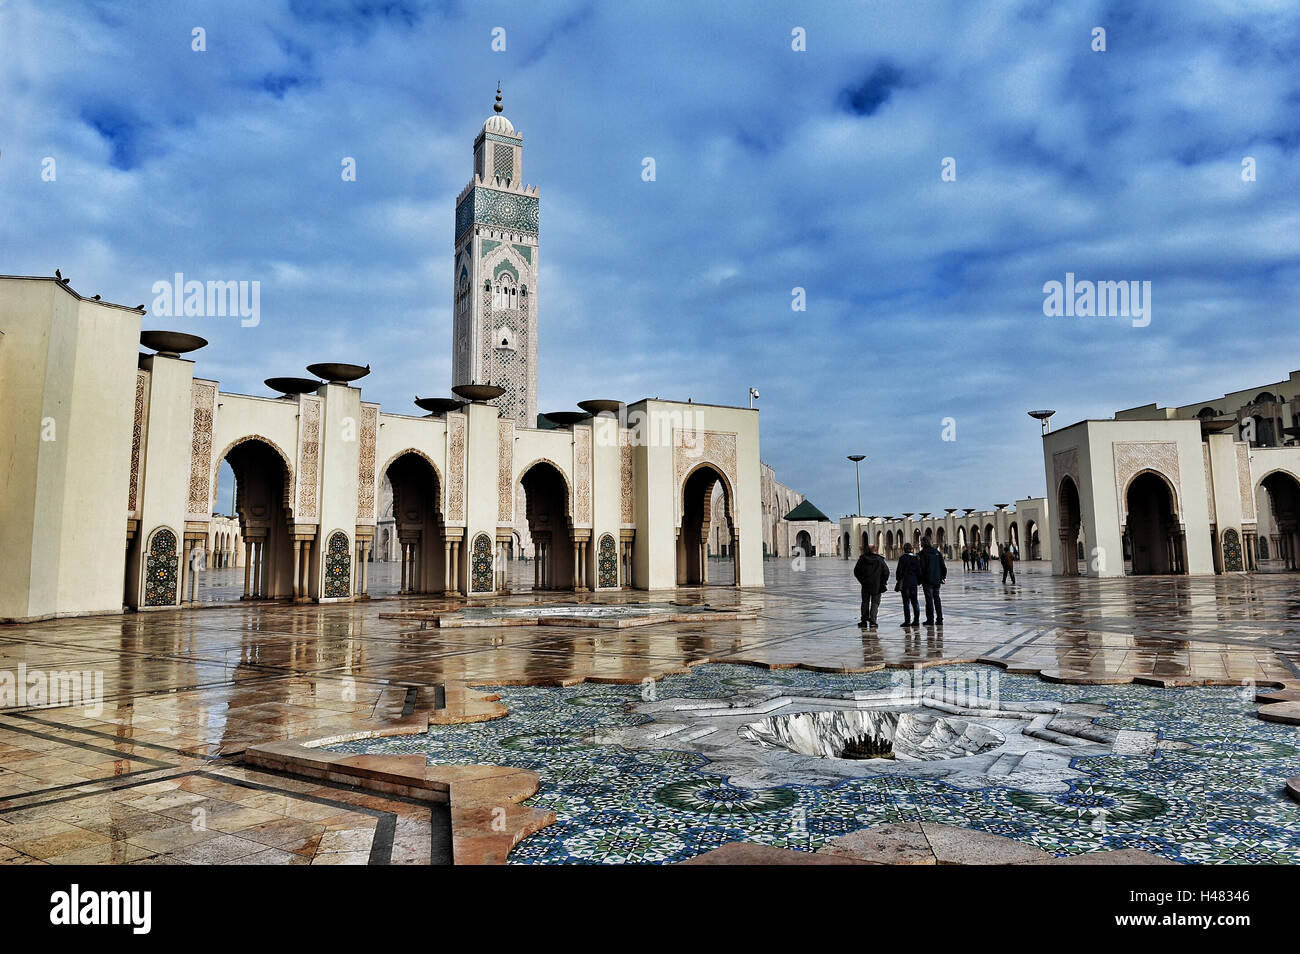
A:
(1218, 799)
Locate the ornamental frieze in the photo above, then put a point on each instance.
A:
(1133, 457)
(308, 458)
(204, 400)
(366, 463)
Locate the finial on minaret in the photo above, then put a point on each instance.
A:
(496, 108)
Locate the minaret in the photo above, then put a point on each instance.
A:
(494, 329)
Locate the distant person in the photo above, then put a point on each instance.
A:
(908, 578)
(872, 572)
(1008, 561)
(984, 559)
(934, 573)
(965, 558)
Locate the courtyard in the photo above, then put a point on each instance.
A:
(199, 746)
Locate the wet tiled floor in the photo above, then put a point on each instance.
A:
(1212, 791)
(186, 692)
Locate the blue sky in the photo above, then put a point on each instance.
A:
(775, 169)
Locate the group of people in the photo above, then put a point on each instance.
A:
(976, 559)
(926, 571)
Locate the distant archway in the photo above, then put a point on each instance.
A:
(418, 523)
(1284, 504)
(263, 488)
(697, 498)
(803, 542)
(550, 525)
(1067, 504)
(1153, 526)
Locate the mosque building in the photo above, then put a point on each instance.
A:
(113, 455)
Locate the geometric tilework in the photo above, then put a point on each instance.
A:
(606, 564)
(1219, 798)
(161, 570)
(338, 567)
(481, 564)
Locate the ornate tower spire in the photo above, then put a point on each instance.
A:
(494, 326)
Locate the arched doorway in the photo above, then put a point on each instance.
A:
(1153, 527)
(419, 535)
(889, 543)
(866, 542)
(848, 546)
(941, 541)
(1284, 505)
(546, 493)
(1067, 503)
(1033, 551)
(697, 496)
(803, 543)
(275, 565)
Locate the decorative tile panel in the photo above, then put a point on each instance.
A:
(308, 457)
(497, 209)
(338, 567)
(366, 463)
(456, 425)
(1133, 457)
(203, 398)
(582, 476)
(692, 447)
(505, 469)
(1209, 483)
(1232, 562)
(606, 563)
(481, 564)
(627, 490)
(1065, 464)
(162, 569)
(137, 433)
(1244, 484)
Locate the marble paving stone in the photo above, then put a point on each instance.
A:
(243, 675)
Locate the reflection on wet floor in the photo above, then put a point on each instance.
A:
(184, 687)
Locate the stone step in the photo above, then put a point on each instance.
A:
(1006, 763)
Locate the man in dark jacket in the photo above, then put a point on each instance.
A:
(872, 572)
(934, 573)
(908, 577)
(1008, 561)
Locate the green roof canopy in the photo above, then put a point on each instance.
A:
(806, 511)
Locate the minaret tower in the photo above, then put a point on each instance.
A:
(494, 328)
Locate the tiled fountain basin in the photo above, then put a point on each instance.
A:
(909, 736)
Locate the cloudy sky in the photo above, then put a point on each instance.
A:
(776, 169)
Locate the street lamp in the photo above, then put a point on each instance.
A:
(1043, 417)
(858, 459)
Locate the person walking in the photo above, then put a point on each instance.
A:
(907, 578)
(934, 573)
(1008, 561)
(872, 572)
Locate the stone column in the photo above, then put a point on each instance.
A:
(735, 556)
(297, 569)
(446, 566)
(248, 546)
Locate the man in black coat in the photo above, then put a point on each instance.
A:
(934, 573)
(872, 572)
(908, 577)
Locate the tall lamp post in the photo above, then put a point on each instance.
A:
(858, 459)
